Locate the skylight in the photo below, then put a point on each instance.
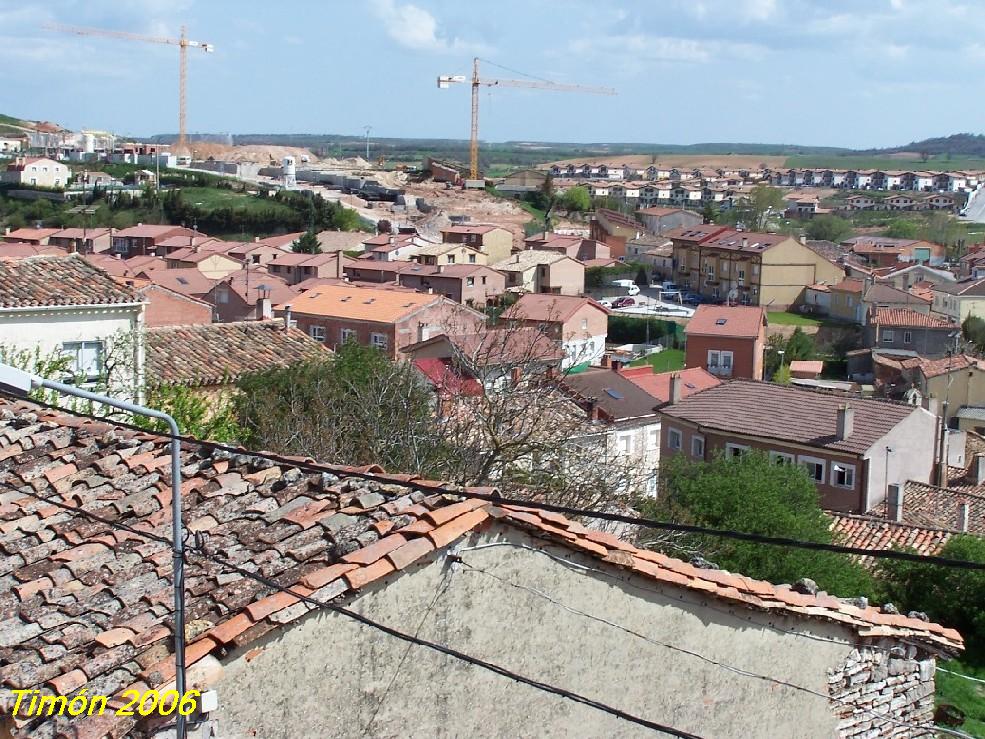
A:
(613, 393)
(721, 321)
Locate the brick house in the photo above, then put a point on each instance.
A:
(576, 247)
(387, 557)
(580, 325)
(386, 319)
(85, 240)
(240, 296)
(143, 239)
(614, 229)
(495, 242)
(901, 328)
(727, 340)
(853, 449)
(294, 268)
(536, 271)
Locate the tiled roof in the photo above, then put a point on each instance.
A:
(491, 348)
(78, 233)
(813, 366)
(772, 411)
(361, 303)
(938, 508)
(546, 307)
(18, 249)
(657, 384)
(252, 284)
(616, 396)
(87, 605)
(477, 229)
(698, 234)
(30, 234)
(935, 367)
(521, 261)
(151, 231)
(58, 280)
(180, 242)
(873, 532)
(967, 287)
(849, 285)
(741, 321)
(906, 318)
(194, 255)
(437, 250)
(282, 241)
(219, 353)
(187, 280)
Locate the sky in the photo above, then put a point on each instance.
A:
(853, 73)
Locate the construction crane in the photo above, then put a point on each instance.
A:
(446, 80)
(181, 42)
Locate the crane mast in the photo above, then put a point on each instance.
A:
(446, 80)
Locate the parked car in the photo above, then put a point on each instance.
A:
(624, 302)
(606, 303)
(669, 285)
(691, 298)
(629, 286)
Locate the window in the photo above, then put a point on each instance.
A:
(222, 296)
(469, 281)
(843, 475)
(653, 439)
(379, 341)
(483, 280)
(471, 258)
(814, 467)
(698, 447)
(625, 443)
(781, 458)
(736, 450)
(347, 334)
(719, 362)
(742, 274)
(316, 332)
(907, 337)
(887, 335)
(86, 358)
(584, 324)
(674, 439)
(451, 259)
(755, 270)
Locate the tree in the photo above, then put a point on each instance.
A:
(307, 244)
(799, 346)
(642, 278)
(901, 228)
(755, 210)
(756, 495)
(383, 226)
(950, 596)
(576, 199)
(782, 375)
(774, 345)
(709, 213)
(828, 228)
(212, 419)
(940, 228)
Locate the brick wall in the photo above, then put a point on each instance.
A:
(898, 683)
(167, 308)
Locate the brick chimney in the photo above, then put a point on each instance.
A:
(675, 388)
(964, 512)
(340, 265)
(895, 503)
(845, 422)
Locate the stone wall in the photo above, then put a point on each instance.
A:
(896, 682)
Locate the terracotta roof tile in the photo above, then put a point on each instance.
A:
(745, 321)
(58, 281)
(906, 318)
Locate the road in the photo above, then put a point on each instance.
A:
(975, 211)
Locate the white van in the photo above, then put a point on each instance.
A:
(629, 286)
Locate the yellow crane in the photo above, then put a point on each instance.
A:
(446, 80)
(183, 44)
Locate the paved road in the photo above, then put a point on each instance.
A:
(976, 208)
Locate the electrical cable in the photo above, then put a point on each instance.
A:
(551, 507)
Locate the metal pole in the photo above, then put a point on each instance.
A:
(177, 538)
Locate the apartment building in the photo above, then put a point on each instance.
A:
(495, 242)
(727, 340)
(580, 325)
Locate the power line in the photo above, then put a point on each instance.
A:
(551, 507)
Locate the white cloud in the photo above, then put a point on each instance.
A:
(415, 28)
(664, 48)
(760, 10)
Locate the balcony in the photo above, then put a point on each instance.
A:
(720, 371)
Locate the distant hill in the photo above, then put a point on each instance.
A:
(11, 126)
(958, 144)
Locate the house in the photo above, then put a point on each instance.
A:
(614, 229)
(166, 307)
(958, 379)
(852, 449)
(727, 340)
(960, 299)
(495, 242)
(34, 236)
(906, 277)
(36, 172)
(284, 242)
(944, 510)
(418, 556)
(746, 267)
(859, 202)
(806, 369)
(879, 295)
(576, 247)
(188, 282)
(580, 325)
(882, 251)
(536, 271)
(294, 268)
(166, 247)
(658, 220)
(255, 252)
(247, 295)
(330, 241)
(211, 358)
(473, 285)
(9, 145)
(846, 300)
(388, 247)
(523, 181)
(63, 305)
(143, 240)
(386, 319)
(445, 254)
(211, 260)
(655, 251)
(901, 328)
(85, 240)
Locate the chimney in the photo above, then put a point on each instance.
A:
(139, 224)
(616, 365)
(256, 239)
(604, 362)
(675, 388)
(6, 231)
(964, 511)
(980, 468)
(895, 503)
(287, 316)
(846, 422)
(264, 309)
(803, 239)
(339, 265)
(516, 258)
(593, 410)
(745, 242)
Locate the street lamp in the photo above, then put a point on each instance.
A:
(22, 383)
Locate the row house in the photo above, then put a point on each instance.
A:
(576, 247)
(578, 325)
(853, 450)
(246, 295)
(539, 271)
(295, 268)
(912, 331)
(472, 285)
(495, 242)
(961, 299)
(144, 240)
(746, 267)
(387, 247)
(884, 180)
(83, 240)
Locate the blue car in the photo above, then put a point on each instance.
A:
(690, 298)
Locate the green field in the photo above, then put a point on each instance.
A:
(783, 318)
(665, 361)
(210, 198)
(861, 161)
(967, 695)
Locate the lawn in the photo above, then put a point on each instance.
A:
(783, 318)
(665, 361)
(213, 198)
(967, 695)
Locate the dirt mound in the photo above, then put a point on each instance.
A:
(641, 161)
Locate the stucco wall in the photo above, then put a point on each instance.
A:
(787, 269)
(911, 458)
(328, 676)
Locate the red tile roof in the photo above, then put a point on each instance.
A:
(151, 231)
(549, 308)
(743, 321)
(446, 379)
(874, 532)
(477, 229)
(187, 281)
(252, 284)
(807, 366)
(935, 507)
(694, 380)
(906, 318)
(849, 285)
(58, 281)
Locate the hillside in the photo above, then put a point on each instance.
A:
(958, 144)
(11, 126)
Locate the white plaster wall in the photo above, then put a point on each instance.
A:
(329, 677)
(579, 351)
(912, 458)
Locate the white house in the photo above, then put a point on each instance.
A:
(63, 305)
(10, 145)
(37, 172)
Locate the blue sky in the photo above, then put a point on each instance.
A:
(854, 73)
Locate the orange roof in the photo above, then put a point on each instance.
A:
(744, 321)
(546, 307)
(657, 385)
(811, 366)
(477, 229)
(905, 318)
(360, 303)
(849, 285)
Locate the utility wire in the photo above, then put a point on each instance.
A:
(539, 505)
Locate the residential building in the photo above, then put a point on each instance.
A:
(580, 325)
(846, 300)
(882, 251)
(536, 271)
(255, 645)
(576, 247)
(960, 299)
(34, 236)
(284, 242)
(36, 172)
(388, 247)
(435, 255)
(746, 267)
(901, 328)
(657, 220)
(143, 240)
(247, 295)
(294, 268)
(906, 277)
(669, 387)
(852, 448)
(63, 305)
(727, 340)
(614, 229)
(84, 240)
(167, 307)
(9, 145)
(495, 242)
(211, 260)
(166, 247)
(210, 359)
(256, 253)
(473, 285)
(386, 319)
